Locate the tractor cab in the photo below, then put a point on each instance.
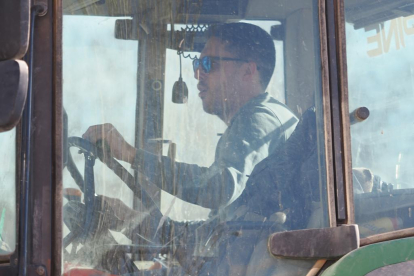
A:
(118, 165)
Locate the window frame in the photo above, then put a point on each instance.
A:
(340, 112)
(346, 132)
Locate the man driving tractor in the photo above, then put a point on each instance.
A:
(233, 72)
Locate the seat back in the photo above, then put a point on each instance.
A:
(287, 180)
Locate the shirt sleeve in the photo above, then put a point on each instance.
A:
(207, 187)
(246, 142)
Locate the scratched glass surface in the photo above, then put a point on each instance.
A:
(381, 78)
(8, 192)
(195, 175)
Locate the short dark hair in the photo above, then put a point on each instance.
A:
(249, 42)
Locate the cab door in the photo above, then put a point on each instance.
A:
(379, 57)
(29, 145)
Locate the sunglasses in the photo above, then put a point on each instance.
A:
(205, 62)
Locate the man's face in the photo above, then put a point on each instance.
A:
(218, 88)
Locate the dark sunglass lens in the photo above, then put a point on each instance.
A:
(206, 63)
(196, 64)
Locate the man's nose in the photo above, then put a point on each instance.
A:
(199, 73)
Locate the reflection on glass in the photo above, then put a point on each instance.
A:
(194, 187)
(381, 78)
(8, 192)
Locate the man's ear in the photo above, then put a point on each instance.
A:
(250, 71)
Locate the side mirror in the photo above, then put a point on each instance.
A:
(13, 90)
(14, 41)
(14, 28)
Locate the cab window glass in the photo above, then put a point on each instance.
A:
(8, 194)
(186, 125)
(381, 73)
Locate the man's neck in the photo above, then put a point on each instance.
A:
(230, 111)
(226, 117)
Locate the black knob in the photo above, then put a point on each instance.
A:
(359, 115)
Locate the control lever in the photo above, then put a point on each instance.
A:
(358, 115)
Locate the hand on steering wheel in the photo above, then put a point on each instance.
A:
(87, 184)
(120, 149)
(89, 222)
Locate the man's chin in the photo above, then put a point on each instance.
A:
(208, 108)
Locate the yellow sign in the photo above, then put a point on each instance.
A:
(398, 30)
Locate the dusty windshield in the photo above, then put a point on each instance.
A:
(193, 132)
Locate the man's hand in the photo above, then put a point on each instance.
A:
(107, 133)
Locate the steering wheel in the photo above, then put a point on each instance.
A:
(86, 185)
(89, 223)
(91, 220)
